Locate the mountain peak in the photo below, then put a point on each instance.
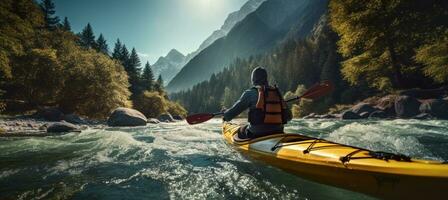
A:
(175, 55)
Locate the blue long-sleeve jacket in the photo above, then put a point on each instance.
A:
(248, 100)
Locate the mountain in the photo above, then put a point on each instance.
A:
(169, 65)
(261, 31)
(233, 18)
(169, 68)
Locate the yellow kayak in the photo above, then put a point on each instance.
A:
(378, 174)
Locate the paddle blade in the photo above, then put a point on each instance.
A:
(319, 90)
(199, 118)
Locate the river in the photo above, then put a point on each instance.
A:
(177, 161)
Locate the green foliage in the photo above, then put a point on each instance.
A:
(87, 38)
(175, 108)
(147, 78)
(48, 66)
(94, 84)
(48, 9)
(117, 50)
(28, 73)
(228, 98)
(101, 45)
(158, 86)
(66, 25)
(132, 67)
(305, 107)
(379, 39)
(435, 58)
(151, 104)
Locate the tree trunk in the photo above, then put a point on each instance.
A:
(398, 77)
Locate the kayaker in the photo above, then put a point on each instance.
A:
(267, 110)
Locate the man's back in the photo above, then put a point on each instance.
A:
(248, 100)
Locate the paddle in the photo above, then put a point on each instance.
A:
(314, 92)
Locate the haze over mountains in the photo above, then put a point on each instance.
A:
(169, 68)
(169, 65)
(260, 31)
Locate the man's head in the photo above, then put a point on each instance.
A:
(259, 76)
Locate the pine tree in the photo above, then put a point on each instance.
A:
(160, 80)
(158, 86)
(101, 45)
(134, 62)
(378, 38)
(148, 78)
(48, 9)
(66, 25)
(134, 72)
(87, 37)
(124, 57)
(117, 50)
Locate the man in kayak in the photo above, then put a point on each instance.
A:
(268, 111)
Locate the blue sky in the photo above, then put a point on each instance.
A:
(153, 27)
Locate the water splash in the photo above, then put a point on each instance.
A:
(177, 161)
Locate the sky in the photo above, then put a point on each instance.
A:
(153, 27)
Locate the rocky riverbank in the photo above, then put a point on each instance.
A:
(400, 106)
(51, 121)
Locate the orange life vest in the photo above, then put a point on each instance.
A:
(270, 108)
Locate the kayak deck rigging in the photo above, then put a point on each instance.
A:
(377, 173)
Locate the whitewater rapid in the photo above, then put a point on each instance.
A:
(178, 161)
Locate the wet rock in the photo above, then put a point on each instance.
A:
(126, 117)
(166, 118)
(310, 116)
(43, 127)
(423, 116)
(364, 115)
(327, 116)
(387, 104)
(153, 121)
(350, 115)
(74, 119)
(435, 107)
(362, 107)
(378, 114)
(407, 106)
(50, 114)
(178, 117)
(61, 127)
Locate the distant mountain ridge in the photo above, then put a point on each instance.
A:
(168, 68)
(169, 65)
(273, 22)
(233, 18)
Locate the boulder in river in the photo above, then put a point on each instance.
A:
(350, 115)
(153, 121)
(178, 117)
(423, 116)
(310, 116)
(378, 114)
(387, 104)
(364, 115)
(74, 119)
(327, 116)
(50, 114)
(436, 107)
(166, 118)
(126, 117)
(407, 106)
(362, 107)
(61, 127)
